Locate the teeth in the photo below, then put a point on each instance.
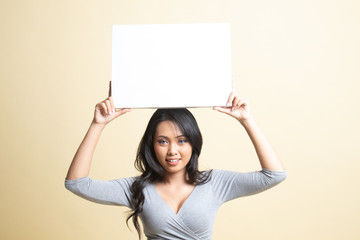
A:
(173, 160)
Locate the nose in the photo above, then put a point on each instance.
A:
(173, 149)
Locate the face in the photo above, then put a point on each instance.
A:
(172, 149)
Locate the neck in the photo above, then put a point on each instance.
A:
(176, 178)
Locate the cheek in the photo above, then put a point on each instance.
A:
(187, 150)
(159, 151)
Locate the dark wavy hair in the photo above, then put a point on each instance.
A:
(147, 164)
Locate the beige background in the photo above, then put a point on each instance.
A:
(296, 61)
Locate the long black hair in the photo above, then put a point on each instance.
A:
(147, 164)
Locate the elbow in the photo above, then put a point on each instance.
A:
(279, 177)
(75, 185)
(274, 177)
(69, 186)
(282, 176)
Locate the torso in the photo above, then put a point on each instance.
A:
(171, 215)
(174, 196)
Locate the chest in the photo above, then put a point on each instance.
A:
(195, 211)
(174, 197)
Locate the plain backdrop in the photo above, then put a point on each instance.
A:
(296, 61)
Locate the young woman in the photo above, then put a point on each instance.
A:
(173, 199)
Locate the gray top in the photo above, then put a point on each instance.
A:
(196, 217)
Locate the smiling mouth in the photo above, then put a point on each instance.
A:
(173, 160)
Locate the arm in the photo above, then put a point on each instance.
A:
(239, 109)
(104, 113)
(228, 185)
(266, 154)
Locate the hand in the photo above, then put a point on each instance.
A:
(237, 107)
(105, 112)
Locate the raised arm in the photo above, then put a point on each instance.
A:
(104, 113)
(239, 109)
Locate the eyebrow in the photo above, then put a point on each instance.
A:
(168, 137)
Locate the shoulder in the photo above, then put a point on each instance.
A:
(223, 174)
(128, 181)
(221, 178)
(213, 175)
(218, 173)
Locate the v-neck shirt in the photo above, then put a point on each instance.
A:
(196, 216)
(179, 202)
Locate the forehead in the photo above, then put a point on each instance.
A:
(168, 128)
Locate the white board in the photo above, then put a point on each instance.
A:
(171, 65)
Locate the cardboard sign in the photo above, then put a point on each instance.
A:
(171, 65)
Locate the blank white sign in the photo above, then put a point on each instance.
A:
(171, 65)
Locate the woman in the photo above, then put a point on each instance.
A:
(173, 199)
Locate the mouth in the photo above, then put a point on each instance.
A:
(173, 162)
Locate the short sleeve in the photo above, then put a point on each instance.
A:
(113, 192)
(228, 185)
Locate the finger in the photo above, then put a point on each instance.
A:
(112, 104)
(98, 107)
(103, 107)
(230, 100)
(108, 106)
(243, 102)
(236, 103)
(222, 109)
(121, 111)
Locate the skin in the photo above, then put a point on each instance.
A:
(169, 143)
(174, 190)
(104, 113)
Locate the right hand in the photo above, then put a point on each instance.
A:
(105, 112)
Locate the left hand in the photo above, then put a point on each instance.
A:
(237, 107)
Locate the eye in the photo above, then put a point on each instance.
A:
(182, 141)
(162, 141)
